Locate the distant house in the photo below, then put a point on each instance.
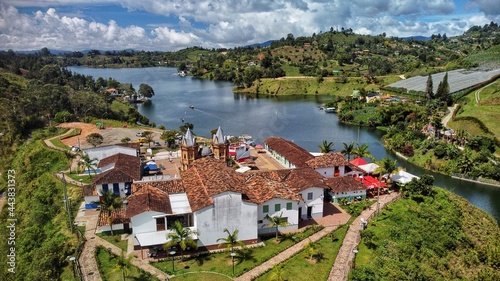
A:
(113, 91)
(104, 151)
(289, 154)
(333, 165)
(346, 187)
(119, 171)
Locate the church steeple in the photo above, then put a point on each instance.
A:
(220, 146)
(189, 149)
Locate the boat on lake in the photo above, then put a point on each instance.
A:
(330, 110)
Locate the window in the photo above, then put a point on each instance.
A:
(289, 206)
(105, 187)
(260, 221)
(265, 209)
(309, 196)
(160, 224)
(277, 207)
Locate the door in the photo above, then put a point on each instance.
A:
(126, 228)
(300, 213)
(309, 212)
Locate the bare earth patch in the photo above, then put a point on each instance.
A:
(111, 135)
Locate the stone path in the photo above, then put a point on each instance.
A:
(87, 261)
(345, 257)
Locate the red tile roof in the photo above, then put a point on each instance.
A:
(292, 152)
(328, 160)
(168, 186)
(127, 169)
(148, 199)
(343, 184)
(208, 177)
(264, 186)
(117, 217)
(304, 178)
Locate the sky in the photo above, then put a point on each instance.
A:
(170, 25)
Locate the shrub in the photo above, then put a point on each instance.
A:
(408, 150)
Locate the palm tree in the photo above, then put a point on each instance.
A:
(87, 163)
(148, 135)
(276, 221)
(362, 151)
(326, 147)
(109, 203)
(386, 166)
(123, 264)
(310, 248)
(348, 150)
(277, 273)
(230, 240)
(180, 235)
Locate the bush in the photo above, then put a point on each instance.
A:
(408, 150)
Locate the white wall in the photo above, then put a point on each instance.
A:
(123, 190)
(292, 215)
(336, 196)
(316, 202)
(144, 222)
(228, 211)
(328, 172)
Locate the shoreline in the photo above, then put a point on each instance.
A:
(451, 176)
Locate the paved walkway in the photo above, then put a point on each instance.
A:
(345, 257)
(87, 260)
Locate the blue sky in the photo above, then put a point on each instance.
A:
(169, 25)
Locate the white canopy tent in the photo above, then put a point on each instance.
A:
(369, 168)
(403, 177)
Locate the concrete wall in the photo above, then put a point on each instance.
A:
(316, 202)
(228, 211)
(123, 190)
(328, 172)
(292, 215)
(336, 196)
(144, 222)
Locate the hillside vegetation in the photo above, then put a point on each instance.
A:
(438, 237)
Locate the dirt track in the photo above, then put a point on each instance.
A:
(110, 135)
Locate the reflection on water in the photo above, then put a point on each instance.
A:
(296, 118)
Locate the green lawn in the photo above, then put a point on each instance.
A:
(109, 270)
(302, 267)
(115, 240)
(487, 111)
(201, 276)
(221, 262)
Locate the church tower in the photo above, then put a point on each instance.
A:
(220, 146)
(189, 150)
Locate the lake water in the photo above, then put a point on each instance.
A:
(296, 118)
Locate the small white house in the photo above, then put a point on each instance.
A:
(346, 187)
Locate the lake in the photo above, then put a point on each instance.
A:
(296, 118)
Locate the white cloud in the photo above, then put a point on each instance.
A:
(226, 23)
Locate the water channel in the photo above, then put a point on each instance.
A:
(296, 118)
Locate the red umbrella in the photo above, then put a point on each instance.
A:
(259, 146)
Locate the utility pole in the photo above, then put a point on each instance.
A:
(378, 200)
(66, 202)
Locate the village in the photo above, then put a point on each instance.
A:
(220, 185)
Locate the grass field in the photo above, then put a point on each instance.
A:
(486, 109)
(303, 267)
(109, 270)
(221, 262)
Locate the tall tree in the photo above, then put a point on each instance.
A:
(276, 222)
(362, 151)
(348, 150)
(146, 91)
(181, 236)
(387, 166)
(95, 139)
(148, 135)
(87, 164)
(428, 89)
(326, 147)
(230, 240)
